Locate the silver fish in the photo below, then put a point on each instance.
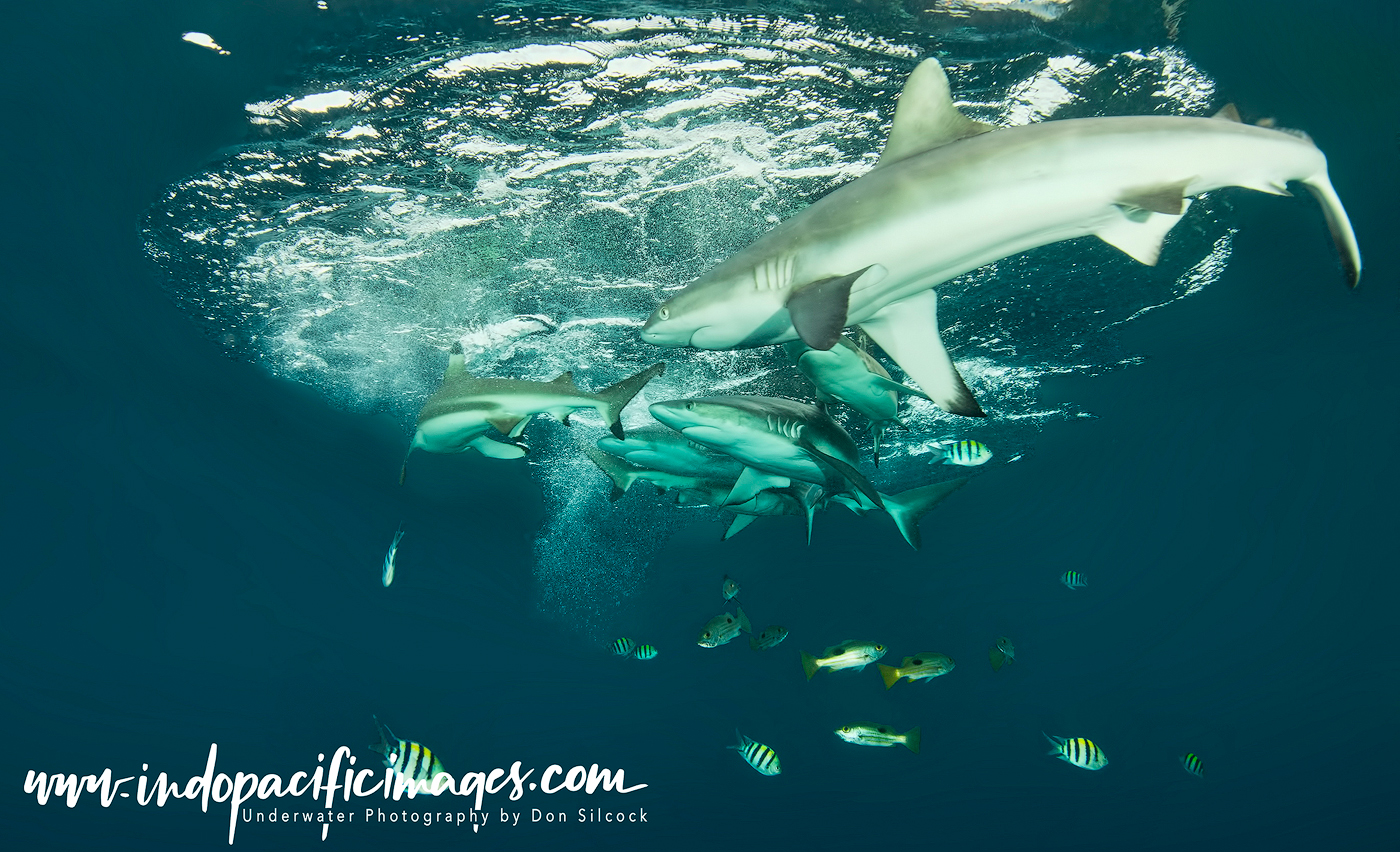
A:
(723, 628)
(880, 735)
(847, 655)
(770, 637)
(387, 576)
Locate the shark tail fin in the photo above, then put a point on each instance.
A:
(616, 397)
(890, 674)
(1338, 223)
(912, 739)
(907, 507)
(620, 472)
(809, 664)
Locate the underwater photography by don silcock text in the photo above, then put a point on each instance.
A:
(694, 424)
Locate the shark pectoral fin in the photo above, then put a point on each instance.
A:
(907, 507)
(908, 332)
(925, 117)
(818, 309)
(855, 477)
(740, 522)
(496, 449)
(615, 397)
(752, 481)
(508, 425)
(1140, 238)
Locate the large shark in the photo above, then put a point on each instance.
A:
(948, 196)
(465, 408)
(778, 440)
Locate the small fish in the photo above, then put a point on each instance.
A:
(206, 41)
(410, 761)
(723, 628)
(967, 453)
(622, 647)
(388, 576)
(1191, 763)
(729, 588)
(880, 735)
(1003, 652)
(757, 755)
(645, 652)
(918, 667)
(847, 655)
(1078, 751)
(1074, 580)
(770, 636)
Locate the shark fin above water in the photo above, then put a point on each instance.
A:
(925, 117)
(908, 332)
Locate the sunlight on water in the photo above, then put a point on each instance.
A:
(534, 197)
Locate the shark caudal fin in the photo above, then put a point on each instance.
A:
(912, 739)
(620, 472)
(890, 674)
(907, 330)
(616, 397)
(907, 507)
(1337, 222)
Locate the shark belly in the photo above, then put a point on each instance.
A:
(451, 433)
(761, 450)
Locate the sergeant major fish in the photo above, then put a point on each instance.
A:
(1191, 763)
(387, 576)
(847, 655)
(964, 453)
(917, 667)
(414, 764)
(645, 652)
(757, 755)
(880, 735)
(723, 628)
(1073, 580)
(1078, 751)
(622, 647)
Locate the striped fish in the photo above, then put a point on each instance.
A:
(411, 761)
(387, 576)
(919, 667)
(967, 453)
(1191, 763)
(757, 755)
(1074, 580)
(622, 647)
(1078, 751)
(880, 735)
(645, 652)
(847, 655)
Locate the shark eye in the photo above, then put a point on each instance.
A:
(690, 406)
(664, 313)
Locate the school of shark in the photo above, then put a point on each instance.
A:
(854, 276)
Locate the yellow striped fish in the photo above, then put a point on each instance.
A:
(757, 755)
(965, 453)
(1078, 751)
(1191, 763)
(880, 735)
(411, 761)
(917, 667)
(847, 655)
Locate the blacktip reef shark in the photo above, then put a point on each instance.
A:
(950, 194)
(465, 408)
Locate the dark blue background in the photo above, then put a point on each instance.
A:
(192, 547)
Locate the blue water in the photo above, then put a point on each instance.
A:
(202, 489)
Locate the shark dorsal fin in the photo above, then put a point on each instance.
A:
(1229, 113)
(456, 362)
(925, 117)
(565, 380)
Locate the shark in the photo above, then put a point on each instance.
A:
(847, 373)
(465, 408)
(778, 440)
(950, 194)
